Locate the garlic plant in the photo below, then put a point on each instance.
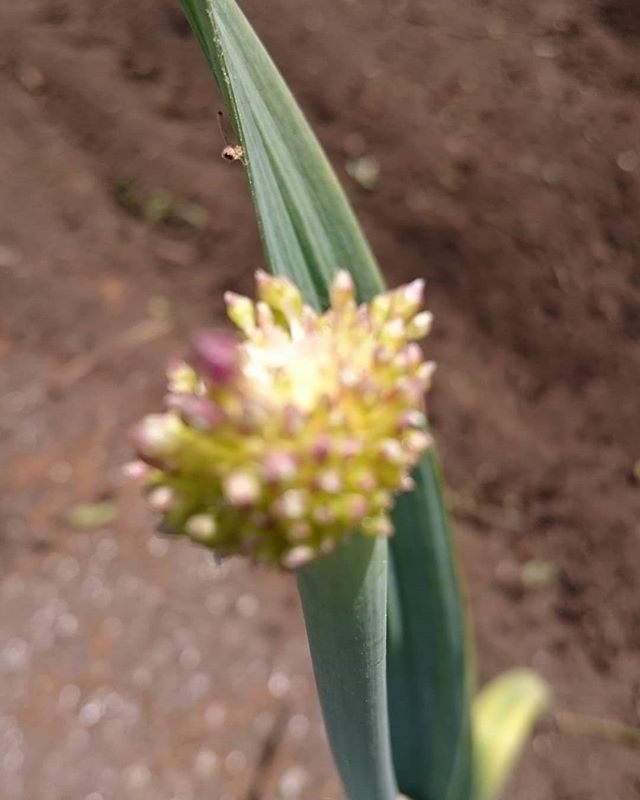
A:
(300, 441)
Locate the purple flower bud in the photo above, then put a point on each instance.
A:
(293, 420)
(279, 466)
(215, 355)
(321, 447)
(358, 507)
(200, 413)
(414, 292)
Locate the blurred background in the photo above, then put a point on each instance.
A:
(492, 147)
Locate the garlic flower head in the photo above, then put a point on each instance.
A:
(280, 441)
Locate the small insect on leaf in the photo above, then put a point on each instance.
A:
(231, 152)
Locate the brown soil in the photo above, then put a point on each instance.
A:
(508, 136)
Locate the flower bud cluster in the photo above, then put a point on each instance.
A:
(280, 441)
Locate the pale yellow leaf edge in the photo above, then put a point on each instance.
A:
(504, 714)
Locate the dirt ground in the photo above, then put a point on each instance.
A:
(508, 141)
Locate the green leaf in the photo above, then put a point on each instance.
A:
(428, 664)
(504, 714)
(307, 226)
(309, 232)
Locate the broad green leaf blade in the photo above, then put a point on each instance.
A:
(344, 602)
(307, 226)
(428, 662)
(504, 714)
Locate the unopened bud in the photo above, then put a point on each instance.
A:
(391, 451)
(297, 557)
(279, 467)
(412, 295)
(279, 294)
(342, 290)
(157, 436)
(200, 413)
(241, 312)
(292, 504)
(162, 499)
(420, 325)
(329, 481)
(136, 470)
(241, 489)
(201, 527)
(215, 355)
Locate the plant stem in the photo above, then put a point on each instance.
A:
(344, 602)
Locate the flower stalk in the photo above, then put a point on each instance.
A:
(344, 599)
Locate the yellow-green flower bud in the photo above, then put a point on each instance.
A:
(281, 442)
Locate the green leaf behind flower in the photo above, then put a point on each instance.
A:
(307, 226)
